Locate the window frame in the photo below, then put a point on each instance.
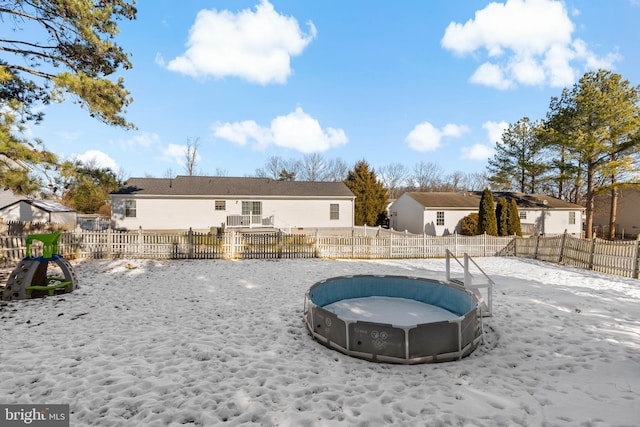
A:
(334, 211)
(220, 205)
(128, 209)
(439, 218)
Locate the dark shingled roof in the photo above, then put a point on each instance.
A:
(472, 200)
(230, 186)
(446, 200)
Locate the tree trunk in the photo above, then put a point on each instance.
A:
(588, 232)
(614, 209)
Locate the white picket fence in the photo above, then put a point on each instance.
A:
(234, 244)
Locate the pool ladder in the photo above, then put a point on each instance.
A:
(483, 290)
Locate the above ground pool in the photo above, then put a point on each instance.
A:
(394, 319)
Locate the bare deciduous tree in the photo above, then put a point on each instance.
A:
(393, 177)
(426, 176)
(191, 155)
(275, 166)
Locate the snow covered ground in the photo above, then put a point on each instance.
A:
(197, 342)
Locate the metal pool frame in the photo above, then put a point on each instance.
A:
(438, 341)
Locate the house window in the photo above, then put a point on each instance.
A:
(251, 212)
(523, 215)
(572, 218)
(440, 218)
(130, 208)
(334, 211)
(221, 205)
(251, 208)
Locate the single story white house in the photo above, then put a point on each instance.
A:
(202, 202)
(440, 213)
(627, 218)
(44, 211)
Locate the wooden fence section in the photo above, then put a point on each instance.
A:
(621, 258)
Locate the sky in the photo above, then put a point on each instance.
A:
(382, 81)
(217, 342)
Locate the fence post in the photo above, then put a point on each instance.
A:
(455, 243)
(593, 252)
(190, 242)
(535, 253)
(279, 236)
(636, 267)
(484, 244)
(564, 239)
(140, 248)
(109, 243)
(353, 243)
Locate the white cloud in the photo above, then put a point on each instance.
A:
(240, 132)
(96, 158)
(297, 130)
(491, 75)
(527, 42)
(477, 152)
(426, 137)
(144, 140)
(495, 130)
(254, 45)
(176, 153)
(483, 151)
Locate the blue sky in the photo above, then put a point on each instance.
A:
(385, 81)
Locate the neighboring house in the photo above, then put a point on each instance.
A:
(440, 214)
(627, 218)
(202, 202)
(43, 211)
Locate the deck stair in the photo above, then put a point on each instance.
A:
(480, 284)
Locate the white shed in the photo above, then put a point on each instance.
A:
(44, 211)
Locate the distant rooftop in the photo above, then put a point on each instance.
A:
(232, 186)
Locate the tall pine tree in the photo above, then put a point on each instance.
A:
(513, 226)
(371, 196)
(487, 215)
(520, 160)
(598, 120)
(502, 216)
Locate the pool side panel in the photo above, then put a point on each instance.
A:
(329, 326)
(377, 339)
(431, 339)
